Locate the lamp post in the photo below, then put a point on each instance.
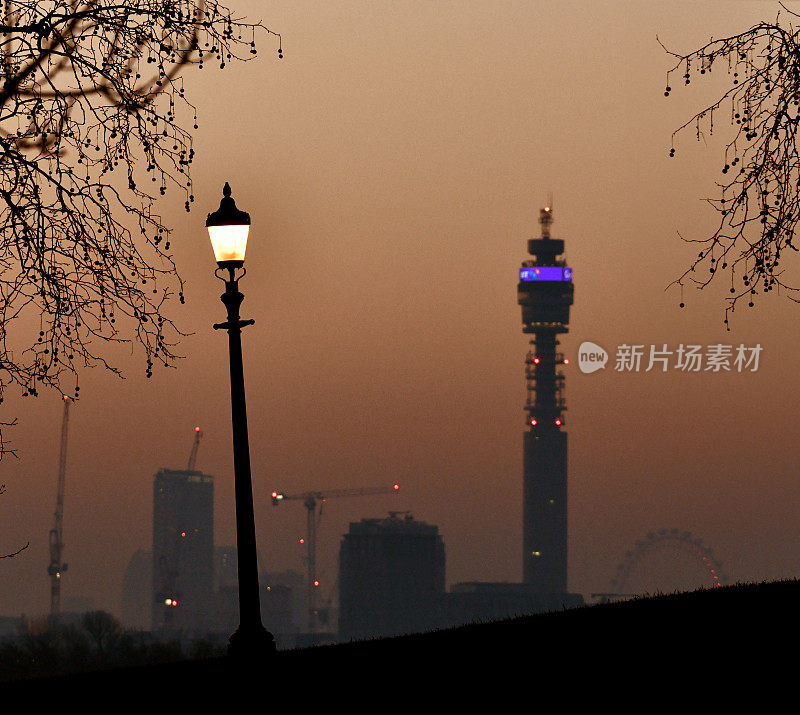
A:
(228, 228)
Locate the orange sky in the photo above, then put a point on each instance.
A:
(393, 164)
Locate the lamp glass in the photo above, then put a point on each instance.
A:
(229, 242)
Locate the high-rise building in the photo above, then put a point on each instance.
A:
(391, 577)
(545, 293)
(183, 551)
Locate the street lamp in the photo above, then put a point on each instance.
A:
(228, 228)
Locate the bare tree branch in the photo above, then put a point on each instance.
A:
(15, 553)
(93, 129)
(758, 198)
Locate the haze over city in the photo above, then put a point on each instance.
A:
(393, 163)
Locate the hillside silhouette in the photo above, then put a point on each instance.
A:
(730, 632)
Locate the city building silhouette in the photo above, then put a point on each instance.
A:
(185, 588)
(183, 551)
(391, 577)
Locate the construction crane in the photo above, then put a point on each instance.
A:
(193, 454)
(57, 566)
(310, 501)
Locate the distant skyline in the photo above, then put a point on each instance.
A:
(393, 164)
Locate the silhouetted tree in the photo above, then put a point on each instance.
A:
(104, 630)
(43, 647)
(93, 128)
(759, 193)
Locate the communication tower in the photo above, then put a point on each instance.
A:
(545, 293)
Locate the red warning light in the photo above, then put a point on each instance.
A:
(566, 361)
(535, 361)
(316, 584)
(302, 540)
(396, 487)
(183, 534)
(558, 422)
(534, 423)
(546, 209)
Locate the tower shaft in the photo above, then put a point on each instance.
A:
(545, 511)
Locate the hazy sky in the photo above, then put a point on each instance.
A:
(394, 163)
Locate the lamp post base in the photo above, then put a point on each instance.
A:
(251, 644)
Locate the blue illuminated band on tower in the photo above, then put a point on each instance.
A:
(545, 273)
(545, 294)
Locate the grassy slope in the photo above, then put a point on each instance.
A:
(731, 632)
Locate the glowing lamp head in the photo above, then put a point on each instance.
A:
(228, 228)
